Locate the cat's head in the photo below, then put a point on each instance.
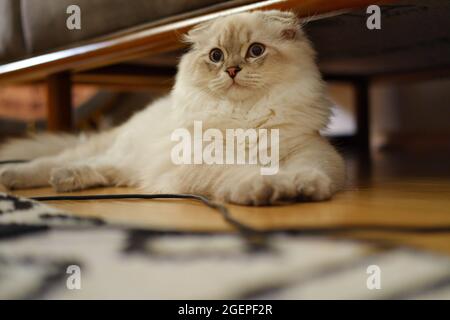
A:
(245, 55)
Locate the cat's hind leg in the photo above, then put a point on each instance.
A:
(37, 173)
(63, 177)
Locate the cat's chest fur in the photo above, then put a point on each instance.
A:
(223, 114)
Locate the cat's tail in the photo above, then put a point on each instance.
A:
(38, 145)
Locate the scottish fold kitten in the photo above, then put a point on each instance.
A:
(249, 70)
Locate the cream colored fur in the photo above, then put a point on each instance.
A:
(282, 90)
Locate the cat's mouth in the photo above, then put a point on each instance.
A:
(235, 85)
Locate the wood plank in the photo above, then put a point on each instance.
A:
(129, 78)
(385, 212)
(59, 102)
(152, 40)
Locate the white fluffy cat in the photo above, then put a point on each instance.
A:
(249, 70)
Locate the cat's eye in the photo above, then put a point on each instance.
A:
(256, 50)
(216, 55)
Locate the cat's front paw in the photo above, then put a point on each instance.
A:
(74, 178)
(65, 180)
(313, 185)
(261, 190)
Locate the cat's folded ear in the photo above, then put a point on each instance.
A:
(288, 20)
(195, 34)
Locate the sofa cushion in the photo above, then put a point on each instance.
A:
(45, 28)
(11, 39)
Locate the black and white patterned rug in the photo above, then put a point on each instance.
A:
(49, 254)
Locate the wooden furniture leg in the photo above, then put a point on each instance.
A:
(362, 103)
(361, 139)
(362, 114)
(361, 85)
(59, 102)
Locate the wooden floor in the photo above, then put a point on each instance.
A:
(404, 201)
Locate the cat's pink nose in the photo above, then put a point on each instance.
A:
(233, 71)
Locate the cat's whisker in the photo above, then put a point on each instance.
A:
(217, 84)
(250, 82)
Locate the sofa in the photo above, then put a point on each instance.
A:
(30, 27)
